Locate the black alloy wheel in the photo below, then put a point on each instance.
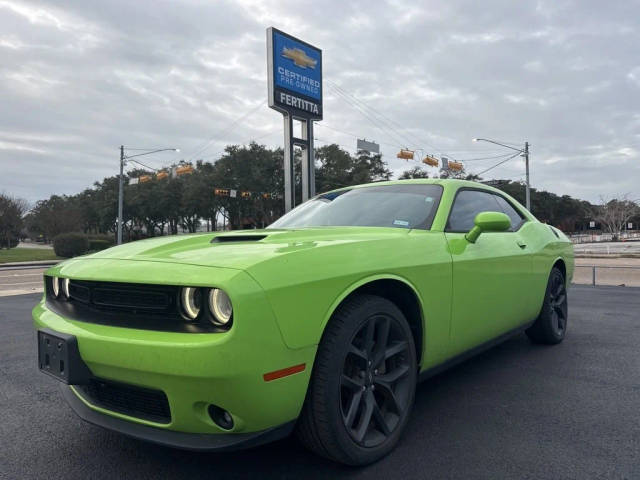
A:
(363, 383)
(551, 325)
(375, 384)
(558, 304)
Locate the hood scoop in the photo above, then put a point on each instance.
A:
(237, 238)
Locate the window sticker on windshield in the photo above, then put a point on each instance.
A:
(402, 223)
(428, 199)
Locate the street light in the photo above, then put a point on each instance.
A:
(525, 153)
(123, 161)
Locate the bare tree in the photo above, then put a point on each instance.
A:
(11, 212)
(615, 213)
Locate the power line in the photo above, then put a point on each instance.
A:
(391, 122)
(381, 120)
(375, 122)
(345, 94)
(324, 125)
(514, 155)
(142, 164)
(253, 139)
(486, 158)
(226, 130)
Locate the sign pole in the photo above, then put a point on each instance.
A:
(308, 161)
(295, 89)
(289, 177)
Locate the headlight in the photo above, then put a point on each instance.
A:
(220, 306)
(191, 302)
(55, 286)
(65, 287)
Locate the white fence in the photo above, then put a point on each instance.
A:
(603, 237)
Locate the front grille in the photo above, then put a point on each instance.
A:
(136, 299)
(130, 400)
(129, 305)
(125, 297)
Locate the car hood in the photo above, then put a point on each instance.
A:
(243, 248)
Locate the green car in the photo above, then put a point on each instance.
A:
(321, 324)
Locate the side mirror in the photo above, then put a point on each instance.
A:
(488, 222)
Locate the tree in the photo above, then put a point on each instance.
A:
(415, 172)
(615, 213)
(337, 168)
(12, 210)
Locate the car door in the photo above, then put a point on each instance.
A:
(491, 276)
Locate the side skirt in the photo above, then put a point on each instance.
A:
(430, 372)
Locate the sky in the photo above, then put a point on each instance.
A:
(80, 78)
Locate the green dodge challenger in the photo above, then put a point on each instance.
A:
(321, 323)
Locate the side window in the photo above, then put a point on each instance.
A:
(467, 205)
(512, 213)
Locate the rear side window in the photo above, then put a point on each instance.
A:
(467, 205)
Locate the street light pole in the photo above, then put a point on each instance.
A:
(524, 153)
(123, 160)
(526, 162)
(120, 194)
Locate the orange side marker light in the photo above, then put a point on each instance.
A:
(285, 372)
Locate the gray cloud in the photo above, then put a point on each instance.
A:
(79, 78)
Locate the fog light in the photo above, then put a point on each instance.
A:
(221, 417)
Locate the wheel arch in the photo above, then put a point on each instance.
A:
(397, 290)
(562, 265)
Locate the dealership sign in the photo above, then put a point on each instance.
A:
(295, 75)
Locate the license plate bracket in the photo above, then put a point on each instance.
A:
(59, 357)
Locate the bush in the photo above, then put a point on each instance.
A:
(13, 242)
(70, 244)
(99, 244)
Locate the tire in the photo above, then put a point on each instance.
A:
(363, 384)
(551, 325)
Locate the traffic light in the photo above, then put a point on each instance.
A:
(221, 192)
(266, 196)
(455, 166)
(406, 154)
(245, 194)
(184, 170)
(429, 160)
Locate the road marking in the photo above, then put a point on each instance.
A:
(9, 293)
(19, 283)
(21, 275)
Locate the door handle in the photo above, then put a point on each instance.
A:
(521, 244)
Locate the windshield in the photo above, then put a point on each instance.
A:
(397, 206)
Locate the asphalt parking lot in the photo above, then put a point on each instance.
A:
(516, 411)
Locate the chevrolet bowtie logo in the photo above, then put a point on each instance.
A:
(299, 57)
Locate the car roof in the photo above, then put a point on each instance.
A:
(447, 183)
(423, 181)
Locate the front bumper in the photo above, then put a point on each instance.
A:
(195, 370)
(186, 441)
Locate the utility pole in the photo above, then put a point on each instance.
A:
(123, 160)
(524, 152)
(526, 162)
(120, 194)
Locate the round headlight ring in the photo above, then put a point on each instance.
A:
(55, 286)
(220, 306)
(190, 298)
(65, 287)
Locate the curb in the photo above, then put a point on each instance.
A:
(41, 263)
